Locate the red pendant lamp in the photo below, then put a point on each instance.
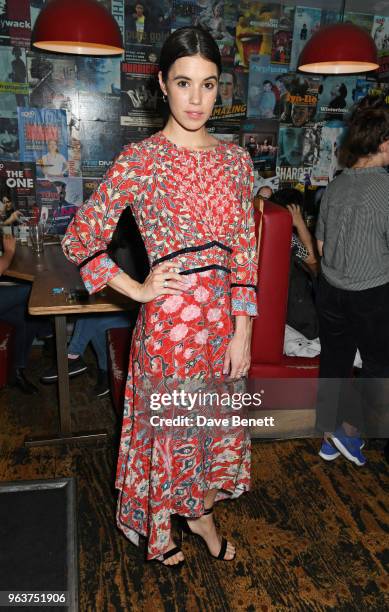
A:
(83, 27)
(339, 48)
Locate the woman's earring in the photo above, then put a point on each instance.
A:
(164, 98)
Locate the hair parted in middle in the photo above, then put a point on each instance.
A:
(186, 42)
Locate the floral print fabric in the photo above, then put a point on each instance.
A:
(195, 210)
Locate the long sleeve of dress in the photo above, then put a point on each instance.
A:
(90, 231)
(244, 260)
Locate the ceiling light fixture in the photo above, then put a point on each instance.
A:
(82, 27)
(339, 48)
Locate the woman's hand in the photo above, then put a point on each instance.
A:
(238, 355)
(297, 217)
(162, 280)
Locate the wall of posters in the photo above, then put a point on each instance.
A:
(70, 115)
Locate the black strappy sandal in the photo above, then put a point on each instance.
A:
(184, 525)
(171, 553)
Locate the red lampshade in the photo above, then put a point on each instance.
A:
(84, 27)
(339, 48)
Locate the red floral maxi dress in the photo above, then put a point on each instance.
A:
(194, 209)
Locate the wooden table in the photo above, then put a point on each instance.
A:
(46, 271)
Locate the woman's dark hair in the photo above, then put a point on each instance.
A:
(286, 196)
(186, 42)
(368, 129)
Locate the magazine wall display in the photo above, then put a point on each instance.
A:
(326, 164)
(380, 35)
(15, 23)
(43, 138)
(58, 200)
(219, 18)
(306, 23)
(298, 98)
(231, 101)
(100, 143)
(14, 88)
(17, 186)
(260, 138)
(70, 115)
(336, 97)
(264, 89)
(53, 81)
(141, 98)
(147, 25)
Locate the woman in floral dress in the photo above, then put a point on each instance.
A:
(191, 196)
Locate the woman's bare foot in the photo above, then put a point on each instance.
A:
(175, 559)
(205, 527)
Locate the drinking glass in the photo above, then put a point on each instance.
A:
(36, 237)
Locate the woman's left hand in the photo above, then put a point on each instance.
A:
(238, 355)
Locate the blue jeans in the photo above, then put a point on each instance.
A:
(13, 310)
(93, 329)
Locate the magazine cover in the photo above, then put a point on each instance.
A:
(336, 97)
(17, 185)
(53, 81)
(219, 18)
(298, 151)
(116, 8)
(281, 47)
(380, 35)
(231, 102)
(329, 17)
(100, 143)
(147, 25)
(264, 96)
(43, 138)
(306, 22)
(260, 138)
(298, 97)
(9, 139)
(58, 201)
(13, 87)
(15, 23)
(327, 162)
(141, 98)
(369, 86)
(184, 13)
(98, 74)
(363, 20)
(254, 29)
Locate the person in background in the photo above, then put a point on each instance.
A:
(13, 310)
(91, 329)
(8, 214)
(302, 239)
(53, 163)
(353, 239)
(265, 192)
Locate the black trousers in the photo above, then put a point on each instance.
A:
(349, 320)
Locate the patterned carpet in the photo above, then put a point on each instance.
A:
(311, 536)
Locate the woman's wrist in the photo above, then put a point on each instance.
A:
(243, 325)
(123, 283)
